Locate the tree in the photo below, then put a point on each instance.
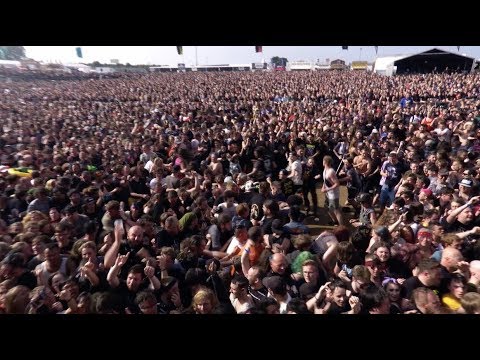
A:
(279, 61)
(12, 52)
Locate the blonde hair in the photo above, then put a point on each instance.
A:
(29, 216)
(471, 303)
(202, 295)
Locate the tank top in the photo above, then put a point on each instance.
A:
(331, 194)
(46, 274)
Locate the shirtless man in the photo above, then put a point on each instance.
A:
(215, 165)
(363, 163)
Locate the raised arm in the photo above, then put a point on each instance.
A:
(112, 252)
(112, 276)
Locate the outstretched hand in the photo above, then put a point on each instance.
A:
(121, 259)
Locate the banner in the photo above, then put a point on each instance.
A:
(79, 52)
(344, 47)
(258, 49)
(180, 50)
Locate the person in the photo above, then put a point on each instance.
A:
(398, 304)
(204, 302)
(331, 190)
(456, 290)
(470, 304)
(332, 299)
(367, 216)
(311, 175)
(239, 296)
(426, 301)
(374, 300)
(85, 157)
(391, 174)
(277, 289)
(14, 268)
(428, 276)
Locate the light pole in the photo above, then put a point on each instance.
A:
(360, 58)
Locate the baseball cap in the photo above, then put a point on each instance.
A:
(392, 153)
(466, 183)
(427, 191)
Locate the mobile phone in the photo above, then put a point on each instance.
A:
(118, 224)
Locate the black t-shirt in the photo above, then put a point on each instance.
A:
(163, 238)
(139, 187)
(335, 309)
(397, 269)
(257, 295)
(288, 188)
(267, 225)
(457, 226)
(309, 174)
(413, 283)
(27, 279)
(127, 297)
(287, 277)
(245, 197)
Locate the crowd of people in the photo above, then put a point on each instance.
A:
(190, 193)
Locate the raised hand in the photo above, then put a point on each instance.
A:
(175, 298)
(121, 259)
(149, 271)
(89, 266)
(354, 304)
(162, 262)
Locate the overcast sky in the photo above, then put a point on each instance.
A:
(210, 55)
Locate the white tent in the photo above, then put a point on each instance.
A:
(384, 65)
(10, 63)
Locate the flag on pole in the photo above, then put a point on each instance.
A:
(458, 48)
(258, 49)
(180, 50)
(79, 52)
(376, 49)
